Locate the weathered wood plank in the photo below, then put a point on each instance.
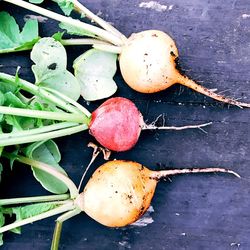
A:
(191, 212)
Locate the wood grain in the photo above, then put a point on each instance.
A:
(191, 212)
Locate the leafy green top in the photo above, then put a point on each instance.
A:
(11, 39)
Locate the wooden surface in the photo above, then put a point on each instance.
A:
(191, 212)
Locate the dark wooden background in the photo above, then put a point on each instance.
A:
(191, 212)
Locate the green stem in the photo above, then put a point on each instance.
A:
(63, 208)
(82, 41)
(43, 136)
(35, 199)
(35, 131)
(50, 115)
(69, 100)
(108, 48)
(35, 90)
(58, 227)
(89, 14)
(78, 41)
(101, 45)
(76, 23)
(50, 170)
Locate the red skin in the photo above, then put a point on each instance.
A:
(116, 124)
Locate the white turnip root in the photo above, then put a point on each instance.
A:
(120, 192)
(117, 124)
(148, 64)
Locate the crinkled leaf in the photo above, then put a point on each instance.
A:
(2, 98)
(50, 70)
(13, 121)
(47, 152)
(49, 57)
(58, 36)
(11, 39)
(72, 30)
(24, 212)
(98, 83)
(66, 6)
(7, 87)
(13, 101)
(28, 211)
(65, 83)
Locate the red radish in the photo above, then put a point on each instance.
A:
(117, 124)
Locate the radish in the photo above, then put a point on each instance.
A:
(148, 64)
(118, 193)
(117, 124)
(148, 59)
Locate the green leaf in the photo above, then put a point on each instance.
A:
(1, 148)
(49, 57)
(66, 6)
(11, 39)
(65, 83)
(98, 83)
(13, 121)
(28, 211)
(2, 98)
(2, 221)
(24, 212)
(58, 36)
(50, 71)
(13, 101)
(36, 1)
(72, 30)
(7, 87)
(47, 152)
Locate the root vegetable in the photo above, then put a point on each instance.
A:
(120, 192)
(117, 124)
(148, 64)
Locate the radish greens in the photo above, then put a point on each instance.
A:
(11, 39)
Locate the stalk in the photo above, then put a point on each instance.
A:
(50, 115)
(43, 136)
(105, 35)
(63, 208)
(89, 14)
(108, 48)
(69, 100)
(35, 199)
(166, 173)
(40, 92)
(58, 227)
(82, 41)
(48, 169)
(35, 131)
